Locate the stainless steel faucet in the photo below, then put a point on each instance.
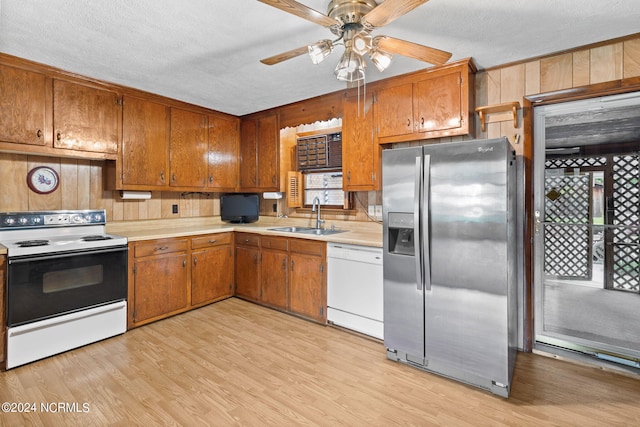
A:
(316, 203)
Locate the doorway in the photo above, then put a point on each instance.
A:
(586, 234)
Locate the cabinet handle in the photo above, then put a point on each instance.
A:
(184, 263)
(162, 248)
(421, 122)
(173, 177)
(162, 176)
(212, 241)
(284, 264)
(39, 134)
(349, 176)
(292, 264)
(255, 259)
(408, 123)
(58, 136)
(195, 260)
(210, 178)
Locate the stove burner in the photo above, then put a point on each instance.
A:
(95, 238)
(30, 243)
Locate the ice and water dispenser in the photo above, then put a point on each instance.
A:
(401, 233)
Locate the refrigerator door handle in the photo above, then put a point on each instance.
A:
(417, 199)
(425, 208)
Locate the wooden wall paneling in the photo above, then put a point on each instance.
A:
(532, 78)
(512, 88)
(131, 211)
(69, 183)
(606, 63)
(117, 208)
(631, 62)
(556, 73)
(84, 183)
(581, 67)
(205, 202)
(168, 200)
(155, 205)
(13, 175)
(100, 198)
(42, 202)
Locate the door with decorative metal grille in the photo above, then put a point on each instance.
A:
(587, 230)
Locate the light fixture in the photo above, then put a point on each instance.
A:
(351, 67)
(380, 59)
(320, 50)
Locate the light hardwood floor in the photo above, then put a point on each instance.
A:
(236, 363)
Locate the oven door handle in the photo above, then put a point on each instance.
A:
(59, 255)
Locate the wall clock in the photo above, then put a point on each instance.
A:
(43, 180)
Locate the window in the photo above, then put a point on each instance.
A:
(327, 187)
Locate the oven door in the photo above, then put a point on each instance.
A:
(44, 286)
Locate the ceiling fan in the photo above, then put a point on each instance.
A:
(353, 21)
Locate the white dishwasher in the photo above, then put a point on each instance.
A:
(355, 288)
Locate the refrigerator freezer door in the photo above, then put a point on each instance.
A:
(403, 296)
(466, 326)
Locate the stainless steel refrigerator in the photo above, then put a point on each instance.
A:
(450, 259)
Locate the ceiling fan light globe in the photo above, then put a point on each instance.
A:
(320, 50)
(381, 59)
(351, 67)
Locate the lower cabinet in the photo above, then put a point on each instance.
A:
(283, 273)
(169, 276)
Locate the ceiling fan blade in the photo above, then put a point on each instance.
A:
(389, 11)
(412, 50)
(302, 11)
(275, 59)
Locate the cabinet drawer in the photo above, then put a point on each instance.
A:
(307, 247)
(248, 239)
(279, 243)
(210, 240)
(158, 247)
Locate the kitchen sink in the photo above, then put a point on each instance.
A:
(308, 230)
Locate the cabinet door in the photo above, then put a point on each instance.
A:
(248, 155)
(188, 149)
(360, 151)
(211, 277)
(438, 103)
(223, 153)
(268, 155)
(22, 106)
(247, 272)
(85, 118)
(160, 286)
(273, 278)
(394, 110)
(145, 142)
(307, 286)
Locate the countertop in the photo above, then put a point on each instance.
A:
(357, 233)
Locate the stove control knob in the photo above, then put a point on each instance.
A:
(23, 220)
(77, 219)
(37, 220)
(97, 217)
(10, 221)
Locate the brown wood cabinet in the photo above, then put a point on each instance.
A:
(86, 118)
(145, 144)
(41, 113)
(283, 273)
(360, 149)
(248, 266)
(24, 116)
(307, 280)
(259, 155)
(429, 104)
(224, 135)
(170, 276)
(274, 268)
(158, 280)
(211, 268)
(188, 149)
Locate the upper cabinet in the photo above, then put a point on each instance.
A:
(61, 117)
(430, 104)
(145, 144)
(224, 135)
(86, 118)
(259, 155)
(360, 150)
(23, 106)
(188, 149)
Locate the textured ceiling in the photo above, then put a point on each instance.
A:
(207, 52)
